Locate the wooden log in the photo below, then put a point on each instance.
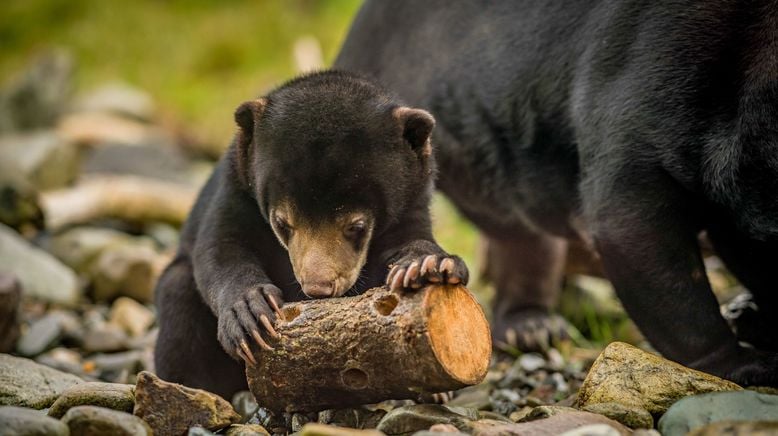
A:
(129, 198)
(377, 346)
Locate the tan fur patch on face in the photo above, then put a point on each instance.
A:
(324, 260)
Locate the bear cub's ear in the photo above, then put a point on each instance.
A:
(247, 115)
(417, 127)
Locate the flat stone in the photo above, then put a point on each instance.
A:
(627, 375)
(104, 337)
(47, 160)
(593, 430)
(331, 430)
(28, 384)
(737, 428)
(63, 359)
(475, 397)
(552, 426)
(131, 316)
(631, 416)
(170, 408)
(40, 335)
(20, 421)
(118, 98)
(114, 396)
(358, 417)
(543, 412)
(697, 411)
(41, 275)
(126, 270)
(98, 421)
(246, 430)
(407, 420)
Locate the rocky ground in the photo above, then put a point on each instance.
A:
(93, 188)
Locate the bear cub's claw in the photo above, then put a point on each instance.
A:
(250, 316)
(416, 273)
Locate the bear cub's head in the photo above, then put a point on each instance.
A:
(334, 163)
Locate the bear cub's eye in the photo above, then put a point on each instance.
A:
(356, 229)
(282, 227)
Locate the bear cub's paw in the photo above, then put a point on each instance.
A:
(251, 315)
(415, 273)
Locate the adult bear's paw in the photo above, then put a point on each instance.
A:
(529, 329)
(251, 315)
(414, 273)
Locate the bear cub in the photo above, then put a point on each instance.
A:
(324, 192)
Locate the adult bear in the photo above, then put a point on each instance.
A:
(325, 187)
(631, 124)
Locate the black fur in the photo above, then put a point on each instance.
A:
(635, 124)
(330, 142)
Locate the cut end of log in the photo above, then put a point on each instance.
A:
(458, 333)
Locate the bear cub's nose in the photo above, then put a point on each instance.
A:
(319, 289)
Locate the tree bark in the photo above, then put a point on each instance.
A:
(377, 346)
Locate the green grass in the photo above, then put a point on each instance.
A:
(199, 59)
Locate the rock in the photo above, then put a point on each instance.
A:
(474, 397)
(171, 408)
(41, 335)
(700, 410)
(128, 361)
(45, 159)
(63, 359)
(114, 396)
(244, 403)
(79, 247)
(543, 412)
(158, 161)
(10, 297)
(199, 431)
(27, 384)
(737, 428)
(19, 207)
(38, 96)
(246, 430)
(531, 362)
(132, 316)
(593, 430)
(20, 421)
(98, 421)
(631, 416)
(117, 98)
(331, 430)
(409, 419)
(299, 420)
(40, 274)
(629, 376)
(104, 338)
(552, 426)
(130, 270)
(358, 418)
(99, 128)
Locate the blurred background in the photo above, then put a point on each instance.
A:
(112, 115)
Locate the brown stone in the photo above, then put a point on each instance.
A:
(627, 375)
(171, 409)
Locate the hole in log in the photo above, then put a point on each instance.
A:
(354, 378)
(386, 304)
(290, 312)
